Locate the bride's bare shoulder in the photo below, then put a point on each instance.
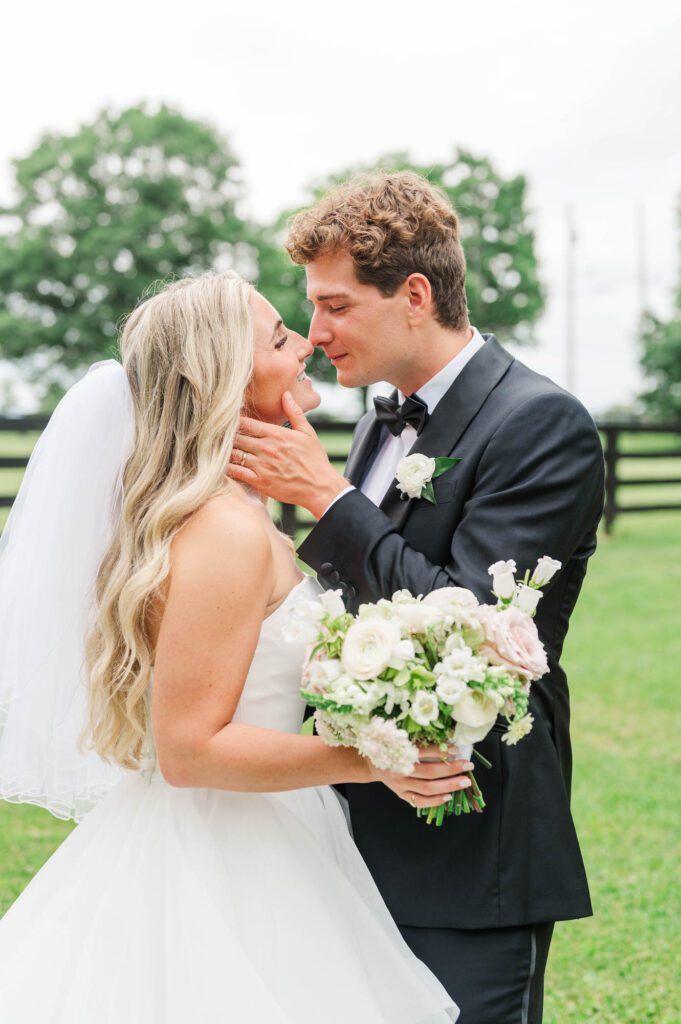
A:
(227, 531)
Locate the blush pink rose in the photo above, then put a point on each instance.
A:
(512, 640)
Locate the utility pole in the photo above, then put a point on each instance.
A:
(570, 275)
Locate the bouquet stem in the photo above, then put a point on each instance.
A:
(462, 802)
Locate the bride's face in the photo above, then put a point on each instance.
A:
(278, 365)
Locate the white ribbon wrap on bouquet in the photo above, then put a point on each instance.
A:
(59, 529)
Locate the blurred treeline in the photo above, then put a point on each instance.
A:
(99, 216)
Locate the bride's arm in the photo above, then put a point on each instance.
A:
(221, 581)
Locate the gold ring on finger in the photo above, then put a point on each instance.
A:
(412, 801)
(242, 460)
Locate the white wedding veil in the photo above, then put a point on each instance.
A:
(58, 531)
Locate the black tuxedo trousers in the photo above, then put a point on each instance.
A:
(529, 483)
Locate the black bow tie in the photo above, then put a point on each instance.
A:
(413, 411)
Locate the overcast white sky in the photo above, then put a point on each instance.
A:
(583, 98)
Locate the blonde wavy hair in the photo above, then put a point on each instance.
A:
(188, 355)
(392, 225)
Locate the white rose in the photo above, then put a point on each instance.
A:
(369, 647)
(450, 688)
(424, 707)
(503, 578)
(413, 473)
(332, 602)
(526, 598)
(546, 570)
(298, 630)
(476, 712)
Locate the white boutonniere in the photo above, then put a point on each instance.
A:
(415, 475)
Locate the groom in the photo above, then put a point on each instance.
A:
(477, 898)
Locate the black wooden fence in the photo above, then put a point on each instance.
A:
(293, 519)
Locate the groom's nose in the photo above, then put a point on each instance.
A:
(319, 333)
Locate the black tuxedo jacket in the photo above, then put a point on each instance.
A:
(529, 483)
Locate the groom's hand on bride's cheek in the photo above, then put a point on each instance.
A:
(288, 465)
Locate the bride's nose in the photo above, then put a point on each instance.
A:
(304, 348)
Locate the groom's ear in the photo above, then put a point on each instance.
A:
(419, 295)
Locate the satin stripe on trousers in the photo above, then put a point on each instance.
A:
(495, 975)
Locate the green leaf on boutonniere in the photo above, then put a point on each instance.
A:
(442, 465)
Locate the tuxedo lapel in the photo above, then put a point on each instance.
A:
(366, 439)
(451, 417)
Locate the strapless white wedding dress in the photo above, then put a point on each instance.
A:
(197, 906)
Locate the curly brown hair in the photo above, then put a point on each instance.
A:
(392, 225)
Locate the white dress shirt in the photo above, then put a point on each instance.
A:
(392, 449)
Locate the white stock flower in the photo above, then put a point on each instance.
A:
(526, 598)
(332, 603)
(413, 473)
(503, 578)
(369, 647)
(546, 569)
(517, 730)
(345, 691)
(450, 688)
(320, 672)
(424, 707)
(382, 609)
(387, 746)
(475, 713)
(457, 660)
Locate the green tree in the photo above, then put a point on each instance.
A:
(661, 362)
(99, 215)
(505, 295)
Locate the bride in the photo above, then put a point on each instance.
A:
(145, 688)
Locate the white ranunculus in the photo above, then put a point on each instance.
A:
(332, 602)
(382, 609)
(476, 712)
(452, 599)
(413, 473)
(424, 707)
(545, 571)
(503, 578)
(417, 617)
(526, 598)
(369, 647)
(450, 688)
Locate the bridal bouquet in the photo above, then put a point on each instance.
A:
(422, 671)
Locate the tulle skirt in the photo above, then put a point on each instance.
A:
(172, 906)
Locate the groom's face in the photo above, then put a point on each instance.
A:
(363, 332)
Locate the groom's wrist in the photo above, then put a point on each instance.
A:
(325, 493)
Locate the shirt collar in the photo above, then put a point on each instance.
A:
(438, 386)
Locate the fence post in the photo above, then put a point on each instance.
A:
(611, 455)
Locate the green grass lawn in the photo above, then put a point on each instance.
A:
(622, 655)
